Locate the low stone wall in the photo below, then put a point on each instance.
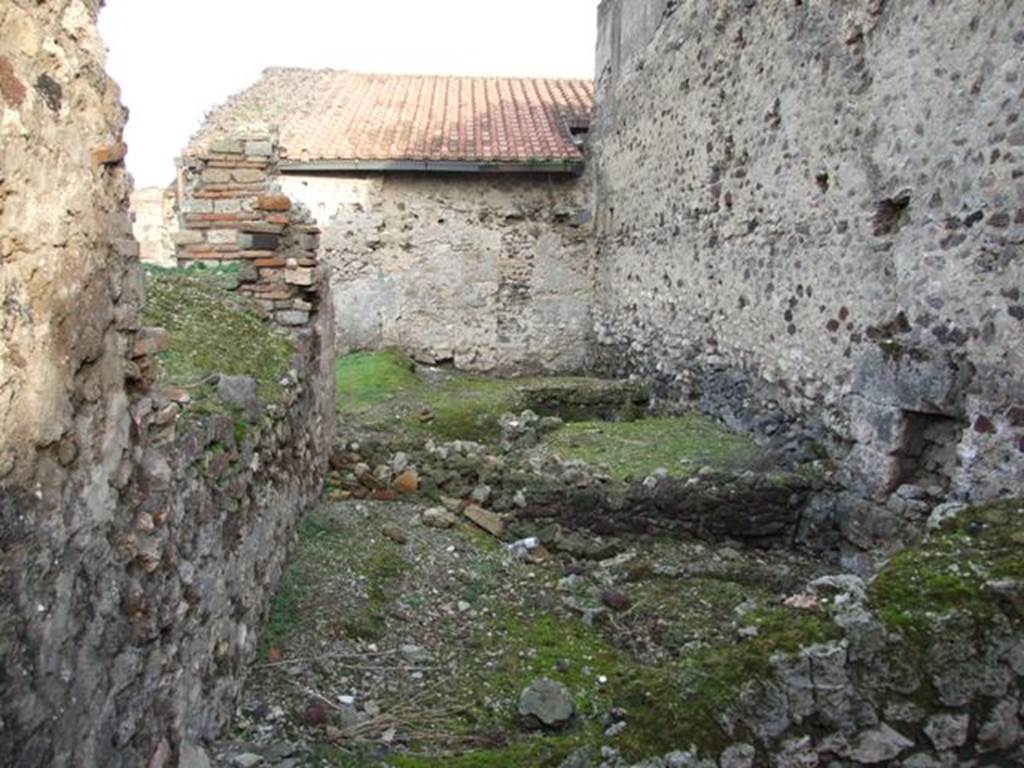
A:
(490, 273)
(808, 221)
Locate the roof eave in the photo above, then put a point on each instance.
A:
(571, 167)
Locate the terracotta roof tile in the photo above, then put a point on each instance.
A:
(339, 115)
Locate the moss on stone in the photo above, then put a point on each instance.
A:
(212, 330)
(680, 444)
(949, 570)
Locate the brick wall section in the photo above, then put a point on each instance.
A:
(231, 211)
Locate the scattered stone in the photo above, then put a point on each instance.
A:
(546, 702)
(947, 731)
(314, 714)
(614, 730)
(247, 760)
(399, 462)
(943, 514)
(415, 655)
(489, 521)
(481, 494)
(395, 534)
(438, 517)
(617, 601)
(738, 756)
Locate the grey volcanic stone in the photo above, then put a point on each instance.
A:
(947, 731)
(879, 744)
(240, 391)
(548, 702)
(738, 756)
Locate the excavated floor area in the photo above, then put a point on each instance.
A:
(439, 579)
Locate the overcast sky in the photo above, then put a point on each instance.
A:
(175, 60)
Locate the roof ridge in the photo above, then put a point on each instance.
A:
(436, 75)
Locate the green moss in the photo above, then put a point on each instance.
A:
(382, 569)
(212, 330)
(949, 570)
(681, 445)
(671, 705)
(681, 704)
(383, 389)
(538, 751)
(365, 379)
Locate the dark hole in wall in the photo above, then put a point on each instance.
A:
(927, 453)
(891, 214)
(822, 180)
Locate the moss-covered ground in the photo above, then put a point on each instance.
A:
(382, 390)
(681, 445)
(488, 625)
(212, 330)
(950, 570)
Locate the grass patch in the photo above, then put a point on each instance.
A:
(383, 390)
(949, 570)
(212, 330)
(382, 569)
(365, 379)
(672, 705)
(680, 444)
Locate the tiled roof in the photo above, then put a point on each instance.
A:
(326, 115)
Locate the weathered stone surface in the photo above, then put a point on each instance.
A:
(879, 745)
(138, 551)
(548, 702)
(947, 731)
(438, 517)
(486, 273)
(486, 519)
(240, 392)
(775, 248)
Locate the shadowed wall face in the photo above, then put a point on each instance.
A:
(139, 544)
(815, 212)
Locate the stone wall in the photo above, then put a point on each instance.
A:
(154, 224)
(813, 213)
(490, 273)
(139, 540)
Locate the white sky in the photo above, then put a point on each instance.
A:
(175, 60)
